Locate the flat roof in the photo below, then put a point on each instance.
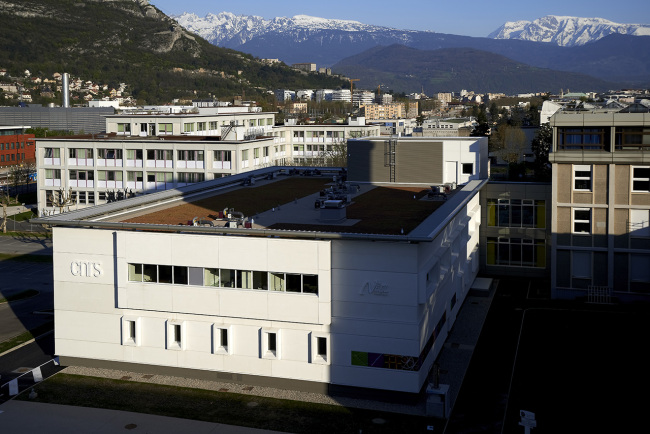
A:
(284, 202)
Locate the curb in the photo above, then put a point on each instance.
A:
(26, 343)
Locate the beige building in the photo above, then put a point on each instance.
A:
(383, 111)
(601, 205)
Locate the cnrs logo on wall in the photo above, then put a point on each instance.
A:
(86, 269)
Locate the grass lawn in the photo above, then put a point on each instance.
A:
(19, 296)
(23, 216)
(25, 337)
(220, 407)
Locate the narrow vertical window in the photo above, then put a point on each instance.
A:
(321, 347)
(224, 338)
(177, 334)
(131, 326)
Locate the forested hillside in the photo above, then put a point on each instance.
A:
(131, 41)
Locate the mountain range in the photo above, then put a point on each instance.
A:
(620, 59)
(566, 31)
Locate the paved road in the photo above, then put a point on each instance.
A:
(26, 244)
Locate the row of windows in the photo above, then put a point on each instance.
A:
(598, 138)
(12, 145)
(224, 278)
(221, 339)
(583, 176)
(638, 223)
(117, 175)
(516, 252)
(516, 213)
(12, 157)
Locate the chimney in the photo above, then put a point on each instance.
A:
(66, 90)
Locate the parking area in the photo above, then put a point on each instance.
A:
(577, 367)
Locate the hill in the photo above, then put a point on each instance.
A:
(447, 69)
(131, 41)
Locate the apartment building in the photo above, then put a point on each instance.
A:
(601, 205)
(383, 111)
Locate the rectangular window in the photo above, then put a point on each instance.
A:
(149, 273)
(468, 168)
(180, 275)
(293, 282)
(188, 128)
(227, 278)
(165, 128)
(277, 282)
(581, 221)
(260, 280)
(244, 279)
(272, 342)
(641, 179)
(310, 284)
(632, 138)
(586, 139)
(175, 335)
(130, 331)
(582, 177)
(221, 341)
(321, 347)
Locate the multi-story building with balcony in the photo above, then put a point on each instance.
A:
(601, 205)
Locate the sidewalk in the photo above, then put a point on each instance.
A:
(33, 417)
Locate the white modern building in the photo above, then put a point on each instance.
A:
(248, 298)
(147, 151)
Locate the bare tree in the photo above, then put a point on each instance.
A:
(62, 199)
(4, 201)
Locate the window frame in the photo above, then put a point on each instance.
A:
(218, 333)
(581, 221)
(270, 343)
(175, 329)
(636, 179)
(579, 171)
(131, 333)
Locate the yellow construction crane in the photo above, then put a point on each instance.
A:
(352, 80)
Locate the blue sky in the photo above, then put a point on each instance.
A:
(465, 17)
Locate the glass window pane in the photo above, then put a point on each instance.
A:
(211, 277)
(195, 276)
(135, 272)
(244, 279)
(277, 282)
(293, 282)
(180, 275)
(260, 280)
(164, 274)
(310, 283)
(149, 273)
(227, 278)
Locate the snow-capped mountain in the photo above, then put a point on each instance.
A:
(566, 31)
(229, 30)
